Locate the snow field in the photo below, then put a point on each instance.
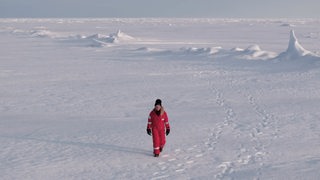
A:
(74, 105)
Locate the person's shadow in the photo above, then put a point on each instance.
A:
(102, 146)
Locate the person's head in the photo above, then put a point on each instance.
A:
(158, 105)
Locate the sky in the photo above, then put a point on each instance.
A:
(160, 8)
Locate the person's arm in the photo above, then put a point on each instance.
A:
(166, 121)
(149, 125)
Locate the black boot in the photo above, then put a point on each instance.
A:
(156, 155)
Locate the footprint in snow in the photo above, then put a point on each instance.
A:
(179, 170)
(177, 150)
(190, 162)
(190, 149)
(198, 155)
(160, 177)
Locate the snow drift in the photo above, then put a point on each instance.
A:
(296, 51)
(99, 40)
(94, 40)
(119, 37)
(253, 52)
(37, 32)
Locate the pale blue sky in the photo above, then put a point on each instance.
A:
(161, 8)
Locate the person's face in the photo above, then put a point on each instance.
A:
(157, 107)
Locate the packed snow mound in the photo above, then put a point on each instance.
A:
(183, 52)
(200, 51)
(294, 46)
(112, 38)
(254, 52)
(118, 37)
(295, 50)
(99, 40)
(87, 41)
(149, 50)
(287, 25)
(253, 48)
(94, 40)
(42, 33)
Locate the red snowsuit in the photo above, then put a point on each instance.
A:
(158, 124)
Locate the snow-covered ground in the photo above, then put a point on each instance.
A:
(242, 96)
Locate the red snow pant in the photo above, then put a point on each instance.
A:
(159, 139)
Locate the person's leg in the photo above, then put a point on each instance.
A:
(156, 141)
(162, 136)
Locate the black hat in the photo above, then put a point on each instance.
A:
(158, 102)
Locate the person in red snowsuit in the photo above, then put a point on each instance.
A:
(158, 126)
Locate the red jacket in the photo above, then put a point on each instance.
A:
(158, 121)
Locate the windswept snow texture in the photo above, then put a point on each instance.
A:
(242, 96)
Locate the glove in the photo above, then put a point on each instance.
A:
(149, 132)
(167, 131)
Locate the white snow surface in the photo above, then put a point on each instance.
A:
(242, 96)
